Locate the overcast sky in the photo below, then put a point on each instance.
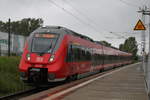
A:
(94, 18)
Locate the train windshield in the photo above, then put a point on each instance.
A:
(43, 43)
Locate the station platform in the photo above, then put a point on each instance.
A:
(126, 84)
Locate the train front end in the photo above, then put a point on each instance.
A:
(43, 57)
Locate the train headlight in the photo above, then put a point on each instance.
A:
(28, 57)
(52, 58)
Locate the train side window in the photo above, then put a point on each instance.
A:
(88, 57)
(75, 53)
(69, 54)
(78, 56)
(82, 55)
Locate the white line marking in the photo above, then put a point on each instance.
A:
(84, 83)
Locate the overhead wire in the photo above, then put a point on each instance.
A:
(145, 2)
(90, 19)
(65, 11)
(79, 12)
(129, 4)
(93, 24)
(132, 4)
(77, 18)
(118, 35)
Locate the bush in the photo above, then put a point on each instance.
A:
(9, 76)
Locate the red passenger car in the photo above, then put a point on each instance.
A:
(57, 53)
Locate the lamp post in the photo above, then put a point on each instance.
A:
(9, 37)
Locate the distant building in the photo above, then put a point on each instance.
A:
(17, 43)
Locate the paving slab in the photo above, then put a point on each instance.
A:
(126, 84)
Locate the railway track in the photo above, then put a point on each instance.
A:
(15, 96)
(21, 94)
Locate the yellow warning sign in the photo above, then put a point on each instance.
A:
(139, 26)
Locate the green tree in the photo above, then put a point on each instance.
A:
(130, 45)
(22, 27)
(2, 26)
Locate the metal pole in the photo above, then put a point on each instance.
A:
(149, 37)
(9, 37)
(143, 42)
(143, 39)
(0, 49)
(148, 69)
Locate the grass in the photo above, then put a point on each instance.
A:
(9, 76)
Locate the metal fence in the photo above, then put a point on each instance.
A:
(16, 44)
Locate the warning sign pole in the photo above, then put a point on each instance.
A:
(140, 27)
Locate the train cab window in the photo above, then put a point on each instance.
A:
(43, 43)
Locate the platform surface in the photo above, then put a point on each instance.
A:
(126, 84)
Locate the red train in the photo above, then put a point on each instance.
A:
(56, 53)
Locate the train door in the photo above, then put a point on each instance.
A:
(103, 58)
(69, 54)
(92, 60)
(70, 59)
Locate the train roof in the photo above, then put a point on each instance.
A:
(63, 30)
